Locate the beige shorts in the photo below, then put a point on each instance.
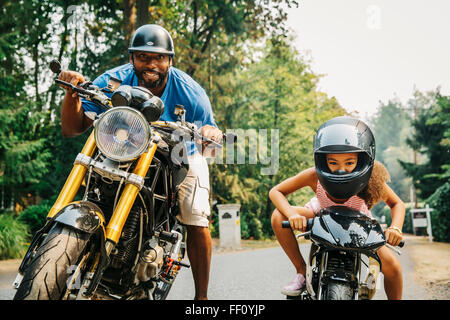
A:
(193, 193)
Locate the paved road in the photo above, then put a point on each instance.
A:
(249, 275)
(260, 274)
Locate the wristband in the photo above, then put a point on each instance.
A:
(396, 229)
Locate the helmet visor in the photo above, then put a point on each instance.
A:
(342, 138)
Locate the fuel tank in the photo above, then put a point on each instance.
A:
(343, 228)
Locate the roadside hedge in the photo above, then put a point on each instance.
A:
(14, 235)
(440, 216)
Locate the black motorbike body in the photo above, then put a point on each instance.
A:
(340, 237)
(153, 212)
(159, 197)
(122, 240)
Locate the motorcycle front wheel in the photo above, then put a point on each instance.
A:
(48, 272)
(338, 291)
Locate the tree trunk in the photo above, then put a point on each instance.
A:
(64, 41)
(36, 69)
(275, 124)
(192, 68)
(142, 15)
(129, 19)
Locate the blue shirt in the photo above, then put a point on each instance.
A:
(180, 89)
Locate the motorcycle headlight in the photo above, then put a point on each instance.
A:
(122, 134)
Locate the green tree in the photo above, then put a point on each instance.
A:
(431, 178)
(391, 126)
(431, 138)
(277, 92)
(198, 25)
(23, 152)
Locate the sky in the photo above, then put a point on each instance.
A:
(372, 51)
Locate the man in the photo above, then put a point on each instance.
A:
(151, 57)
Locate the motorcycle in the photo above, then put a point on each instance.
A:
(122, 239)
(343, 262)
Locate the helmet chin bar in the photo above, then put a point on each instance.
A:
(340, 172)
(345, 186)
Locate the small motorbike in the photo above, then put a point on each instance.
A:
(344, 244)
(122, 239)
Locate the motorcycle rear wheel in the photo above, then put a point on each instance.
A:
(339, 291)
(46, 276)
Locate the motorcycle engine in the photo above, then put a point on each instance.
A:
(151, 261)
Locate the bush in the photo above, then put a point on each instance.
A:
(440, 216)
(35, 216)
(251, 226)
(14, 235)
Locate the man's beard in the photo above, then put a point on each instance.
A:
(149, 83)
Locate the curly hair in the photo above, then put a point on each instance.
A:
(374, 192)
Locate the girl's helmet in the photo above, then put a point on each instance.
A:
(344, 135)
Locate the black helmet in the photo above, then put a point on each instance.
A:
(344, 135)
(152, 38)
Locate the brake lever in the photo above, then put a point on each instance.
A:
(227, 137)
(307, 233)
(210, 143)
(96, 97)
(394, 249)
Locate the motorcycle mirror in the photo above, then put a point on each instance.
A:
(55, 66)
(152, 109)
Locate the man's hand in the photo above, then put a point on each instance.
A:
(73, 78)
(73, 120)
(211, 133)
(393, 236)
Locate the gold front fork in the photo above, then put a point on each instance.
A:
(74, 179)
(129, 194)
(126, 201)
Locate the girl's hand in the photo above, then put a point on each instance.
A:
(297, 221)
(393, 236)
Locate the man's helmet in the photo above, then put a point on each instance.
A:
(344, 135)
(152, 38)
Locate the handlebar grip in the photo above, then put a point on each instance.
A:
(285, 224)
(401, 244)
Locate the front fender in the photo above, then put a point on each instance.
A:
(81, 215)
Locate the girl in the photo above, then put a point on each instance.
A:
(346, 174)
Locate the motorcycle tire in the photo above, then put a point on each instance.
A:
(46, 276)
(339, 291)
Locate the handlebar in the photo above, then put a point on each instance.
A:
(309, 223)
(229, 137)
(86, 90)
(96, 95)
(191, 130)
(287, 225)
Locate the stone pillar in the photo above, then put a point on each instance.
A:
(229, 226)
